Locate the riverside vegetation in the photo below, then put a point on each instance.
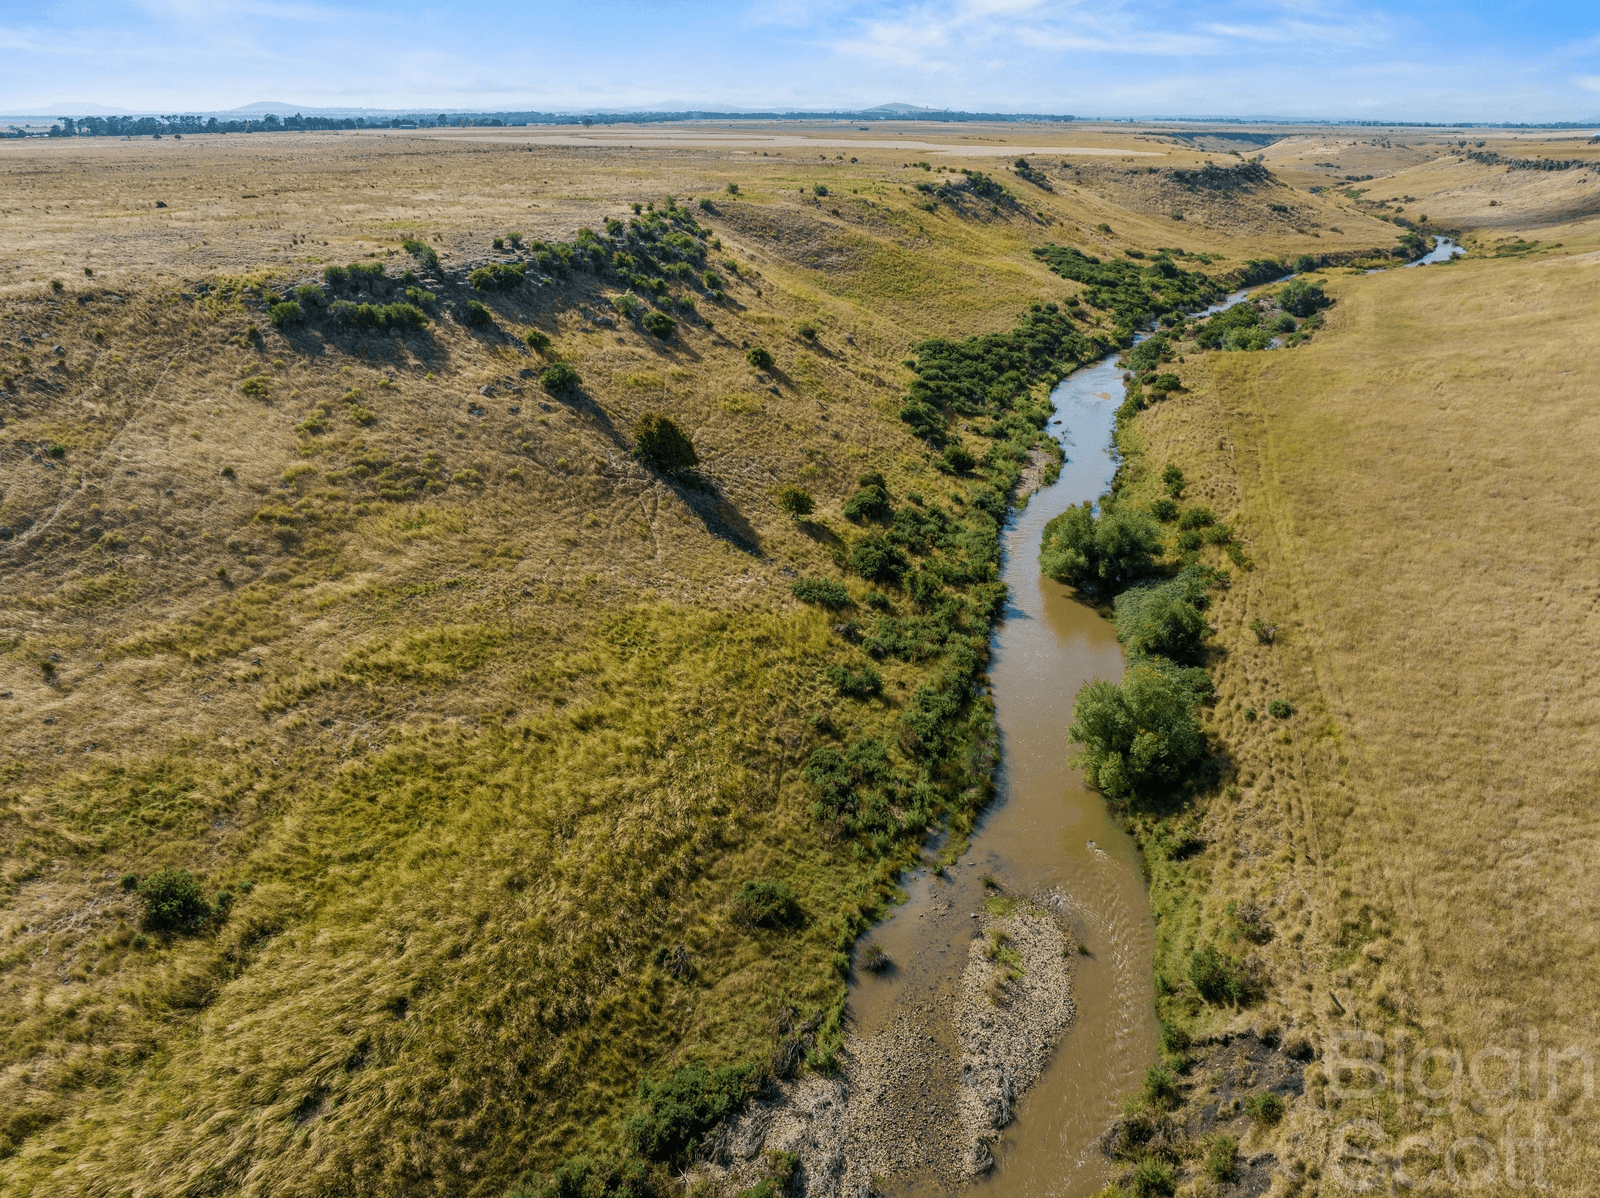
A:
(460, 702)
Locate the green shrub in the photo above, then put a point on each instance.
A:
(807, 330)
(419, 297)
(1222, 1157)
(515, 239)
(877, 559)
(758, 357)
(1105, 553)
(627, 304)
(335, 275)
(712, 280)
(1172, 480)
(478, 316)
(659, 323)
(172, 902)
(824, 592)
(1165, 384)
(1164, 509)
(796, 503)
(1246, 340)
(733, 189)
(662, 445)
(1265, 1107)
(582, 1176)
(422, 252)
(1237, 319)
(672, 1115)
(820, 189)
(1279, 710)
(308, 295)
(1160, 621)
(1198, 516)
(1141, 739)
(870, 502)
(287, 312)
(855, 684)
(1302, 298)
(1216, 976)
(1152, 1178)
(498, 276)
(559, 377)
(959, 459)
(1284, 324)
(499, 243)
(365, 272)
(379, 317)
(766, 904)
(1160, 1088)
(1190, 540)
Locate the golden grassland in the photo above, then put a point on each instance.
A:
(474, 764)
(1417, 490)
(481, 757)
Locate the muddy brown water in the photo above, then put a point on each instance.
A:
(1044, 833)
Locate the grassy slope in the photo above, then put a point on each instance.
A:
(1416, 487)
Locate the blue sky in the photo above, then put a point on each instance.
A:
(1415, 60)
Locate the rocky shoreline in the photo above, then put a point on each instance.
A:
(919, 1104)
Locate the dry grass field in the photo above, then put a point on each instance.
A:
(1418, 491)
(484, 766)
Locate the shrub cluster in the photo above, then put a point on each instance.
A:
(824, 592)
(1134, 294)
(424, 253)
(993, 374)
(672, 1115)
(379, 317)
(498, 276)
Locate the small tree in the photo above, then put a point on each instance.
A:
(1140, 739)
(661, 444)
(559, 377)
(477, 315)
(796, 503)
(1105, 553)
(536, 340)
(1172, 479)
(759, 357)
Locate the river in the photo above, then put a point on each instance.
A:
(1045, 833)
